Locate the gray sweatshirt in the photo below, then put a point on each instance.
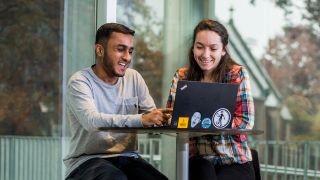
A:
(91, 103)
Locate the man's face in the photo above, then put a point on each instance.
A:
(117, 54)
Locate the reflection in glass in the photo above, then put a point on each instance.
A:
(31, 53)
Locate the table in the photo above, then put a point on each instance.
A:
(182, 135)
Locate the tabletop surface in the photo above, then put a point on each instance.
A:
(169, 130)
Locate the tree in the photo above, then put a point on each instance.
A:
(30, 94)
(292, 61)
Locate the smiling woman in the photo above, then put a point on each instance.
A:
(208, 50)
(218, 157)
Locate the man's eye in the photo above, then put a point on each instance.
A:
(120, 49)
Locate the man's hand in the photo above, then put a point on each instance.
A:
(157, 117)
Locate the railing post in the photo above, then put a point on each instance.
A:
(266, 160)
(275, 154)
(286, 154)
(12, 158)
(306, 160)
(316, 162)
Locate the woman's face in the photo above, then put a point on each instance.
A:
(208, 50)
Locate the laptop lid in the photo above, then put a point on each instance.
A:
(204, 105)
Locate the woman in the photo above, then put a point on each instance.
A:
(218, 157)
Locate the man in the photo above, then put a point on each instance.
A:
(109, 94)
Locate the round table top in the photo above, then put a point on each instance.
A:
(189, 131)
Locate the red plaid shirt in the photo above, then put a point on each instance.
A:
(225, 149)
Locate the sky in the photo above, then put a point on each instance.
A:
(256, 23)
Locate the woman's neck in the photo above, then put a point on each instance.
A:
(207, 77)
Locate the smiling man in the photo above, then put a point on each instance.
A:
(109, 94)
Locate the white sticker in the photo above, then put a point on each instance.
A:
(195, 119)
(221, 118)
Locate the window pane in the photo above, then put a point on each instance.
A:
(146, 18)
(31, 53)
(42, 42)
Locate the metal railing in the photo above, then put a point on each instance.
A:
(30, 158)
(38, 158)
(282, 160)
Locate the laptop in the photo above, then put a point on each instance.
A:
(204, 105)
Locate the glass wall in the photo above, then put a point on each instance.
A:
(80, 22)
(41, 44)
(31, 60)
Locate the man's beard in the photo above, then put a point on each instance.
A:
(109, 68)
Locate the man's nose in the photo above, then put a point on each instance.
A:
(127, 56)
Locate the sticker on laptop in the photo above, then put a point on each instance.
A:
(195, 119)
(206, 123)
(183, 122)
(221, 118)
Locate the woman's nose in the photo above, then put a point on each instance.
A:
(206, 53)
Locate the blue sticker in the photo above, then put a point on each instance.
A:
(206, 123)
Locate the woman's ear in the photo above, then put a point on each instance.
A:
(223, 51)
(99, 50)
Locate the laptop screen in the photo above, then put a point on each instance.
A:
(204, 105)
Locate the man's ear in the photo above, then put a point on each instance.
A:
(99, 50)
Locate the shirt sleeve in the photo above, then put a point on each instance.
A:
(172, 91)
(244, 113)
(83, 109)
(146, 102)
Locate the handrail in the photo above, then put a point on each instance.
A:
(27, 157)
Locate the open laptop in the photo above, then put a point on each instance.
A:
(204, 105)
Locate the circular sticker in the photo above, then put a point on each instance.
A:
(206, 123)
(195, 119)
(221, 118)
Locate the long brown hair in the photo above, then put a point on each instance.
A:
(194, 71)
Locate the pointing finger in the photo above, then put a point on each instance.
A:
(166, 110)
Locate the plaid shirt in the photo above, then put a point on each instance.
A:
(224, 149)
